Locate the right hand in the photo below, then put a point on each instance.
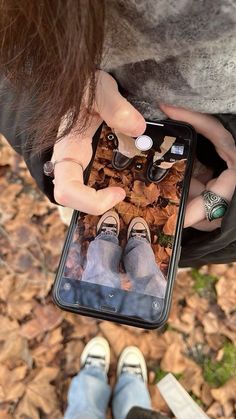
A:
(118, 113)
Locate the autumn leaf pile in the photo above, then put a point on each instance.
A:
(40, 345)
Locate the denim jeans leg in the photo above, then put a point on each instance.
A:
(130, 391)
(88, 395)
(103, 258)
(140, 264)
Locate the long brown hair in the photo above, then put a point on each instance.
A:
(51, 50)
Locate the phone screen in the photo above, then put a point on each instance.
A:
(123, 262)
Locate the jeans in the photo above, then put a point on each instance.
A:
(89, 395)
(103, 259)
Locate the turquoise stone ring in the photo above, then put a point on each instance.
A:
(215, 206)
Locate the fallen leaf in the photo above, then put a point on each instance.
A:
(158, 403)
(117, 336)
(15, 347)
(215, 411)
(7, 326)
(226, 294)
(174, 360)
(45, 352)
(169, 227)
(11, 386)
(225, 393)
(192, 379)
(210, 323)
(46, 318)
(206, 396)
(39, 395)
(73, 350)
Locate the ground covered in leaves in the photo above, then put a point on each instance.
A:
(40, 345)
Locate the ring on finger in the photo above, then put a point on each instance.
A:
(215, 206)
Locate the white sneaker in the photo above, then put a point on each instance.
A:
(132, 361)
(138, 227)
(96, 354)
(109, 223)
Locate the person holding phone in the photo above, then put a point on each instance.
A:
(169, 60)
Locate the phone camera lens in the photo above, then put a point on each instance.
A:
(156, 305)
(67, 286)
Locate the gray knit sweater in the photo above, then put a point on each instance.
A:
(180, 52)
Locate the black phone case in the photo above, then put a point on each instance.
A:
(108, 136)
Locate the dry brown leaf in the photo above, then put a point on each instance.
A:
(211, 323)
(206, 396)
(215, 411)
(192, 379)
(11, 385)
(7, 326)
(49, 316)
(144, 195)
(46, 351)
(82, 330)
(158, 403)
(4, 413)
(160, 254)
(6, 285)
(15, 347)
(18, 309)
(198, 304)
(23, 261)
(152, 345)
(73, 350)
(39, 395)
(182, 319)
(46, 318)
(168, 191)
(217, 270)
(127, 211)
(226, 294)
(174, 360)
(228, 333)
(169, 227)
(225, 393)
(118, 337)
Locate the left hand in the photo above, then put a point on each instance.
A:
(225, 184)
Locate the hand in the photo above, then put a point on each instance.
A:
(225, 184)
(119, 114)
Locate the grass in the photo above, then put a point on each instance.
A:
(204, 285)
(216, 373)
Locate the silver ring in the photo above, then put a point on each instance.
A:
(215, 206)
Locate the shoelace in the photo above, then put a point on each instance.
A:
(139, 233)
(108, 228)
(132, 369)
(95, 361)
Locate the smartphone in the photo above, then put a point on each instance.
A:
(121, 266)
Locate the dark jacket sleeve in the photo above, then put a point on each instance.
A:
(15, 111)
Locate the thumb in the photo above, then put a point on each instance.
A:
(115, 110)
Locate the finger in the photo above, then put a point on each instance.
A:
(195, 212)
(210, 128)
(115, 110)
(76, 195)
(206, 225)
